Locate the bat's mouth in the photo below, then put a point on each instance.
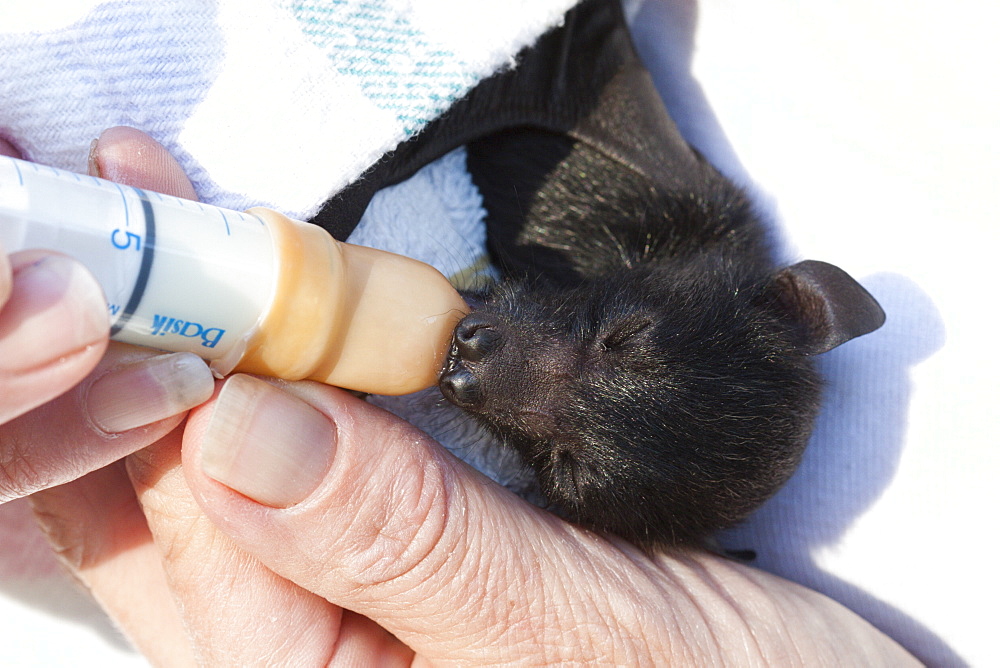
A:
(452, 361)
(457, 382)
(475, 301)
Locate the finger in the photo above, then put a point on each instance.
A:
(6, 277)
(46, 329)
(237, 611)
(129, 156)
(24, 553)
(131, 399)
(259, 600)
(7, 148)
(98, 531)
(367, 511)
(53, 329)
(95, 522)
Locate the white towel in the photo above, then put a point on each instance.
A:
(277, 103)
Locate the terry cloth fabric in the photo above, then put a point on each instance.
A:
(277, 103)
(449, 234)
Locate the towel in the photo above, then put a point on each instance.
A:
(276, 103)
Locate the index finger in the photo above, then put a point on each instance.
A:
(53, 329)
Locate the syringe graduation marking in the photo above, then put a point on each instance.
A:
(226, 221)
(145, 266)
(124, 202)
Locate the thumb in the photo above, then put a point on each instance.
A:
(353, 504)
(130, 156)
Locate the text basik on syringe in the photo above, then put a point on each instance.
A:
(254, 291)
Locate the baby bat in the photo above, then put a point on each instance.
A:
(644, 354)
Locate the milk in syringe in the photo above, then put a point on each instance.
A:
(254, 291)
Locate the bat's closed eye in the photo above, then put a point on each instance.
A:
(623, 332)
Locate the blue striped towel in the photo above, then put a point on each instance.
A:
(265, 102)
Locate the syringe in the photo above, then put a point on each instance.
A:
(255, 291)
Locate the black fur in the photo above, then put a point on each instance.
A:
(642, 357)
(644, 354)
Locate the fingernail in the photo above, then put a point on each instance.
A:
(55, 308)
(144, 392)
(93, 167)
(266, 444)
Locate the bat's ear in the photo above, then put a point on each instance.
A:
(827, 306)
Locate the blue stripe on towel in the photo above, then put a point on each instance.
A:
(395, 65)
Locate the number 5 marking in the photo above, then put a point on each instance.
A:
(130, 239)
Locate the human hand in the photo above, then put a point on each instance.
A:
(69, 403)
(296, 524)
(301, 525)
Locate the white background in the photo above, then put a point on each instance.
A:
(872, 133)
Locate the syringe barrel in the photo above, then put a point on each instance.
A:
(249, 291)
(177, 274)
